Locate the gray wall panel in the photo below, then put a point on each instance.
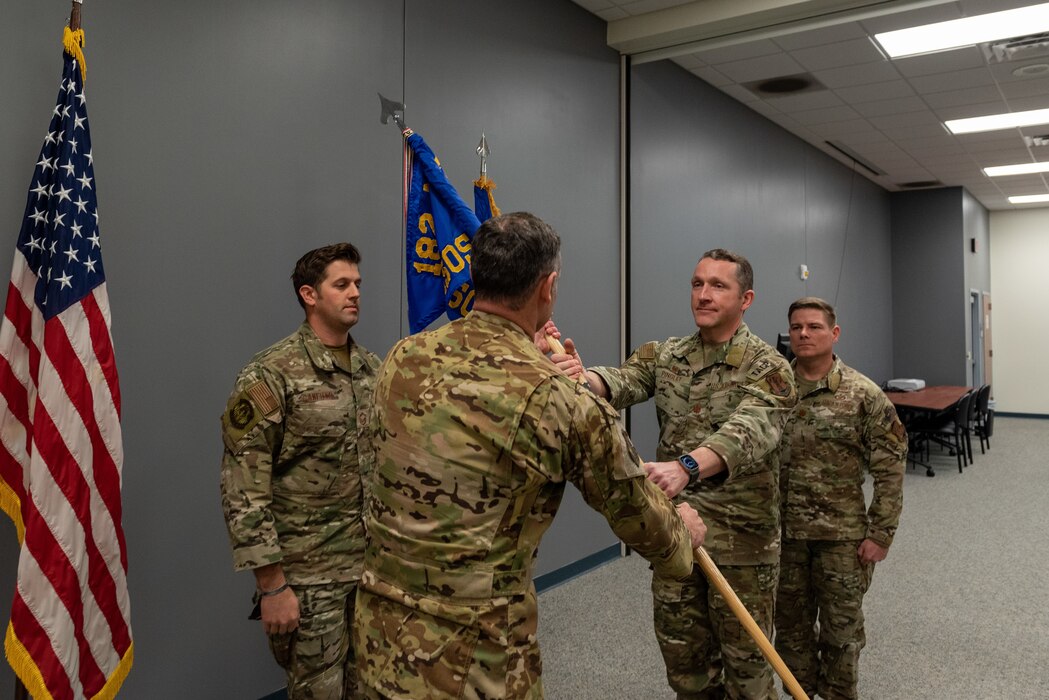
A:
(708, 172)
(928, 286)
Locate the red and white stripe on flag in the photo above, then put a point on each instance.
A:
(60, 467)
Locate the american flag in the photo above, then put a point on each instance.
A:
(60, 466)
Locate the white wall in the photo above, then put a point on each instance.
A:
(1019, 321)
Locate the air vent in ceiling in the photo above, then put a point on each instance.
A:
(1034, 141)
(1019, 48)
(919, 184)
(783, 85)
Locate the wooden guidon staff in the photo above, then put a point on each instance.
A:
(714, 575)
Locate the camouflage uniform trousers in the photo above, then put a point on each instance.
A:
(707, 652)
(318, 656)
(819, 615)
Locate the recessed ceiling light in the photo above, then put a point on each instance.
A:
(1032, 69)
(1029, 199)
(993, 122)
(966, 31)
(1018, 169)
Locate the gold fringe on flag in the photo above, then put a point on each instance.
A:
(487, 185)
(73, 41)
(26, 670)
(10, 504)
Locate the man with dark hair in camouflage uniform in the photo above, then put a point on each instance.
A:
(842, 427)
(479, 434)
(298, 447)
(722, 397)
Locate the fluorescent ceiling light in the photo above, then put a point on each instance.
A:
(994, 122)
(1029, 199)
(1018, 169)
(966, 31)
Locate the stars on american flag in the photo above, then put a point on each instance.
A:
(60, 229)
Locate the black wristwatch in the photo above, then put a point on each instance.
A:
(691, 466)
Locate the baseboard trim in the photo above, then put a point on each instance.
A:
(1004, 414)
(281, 694)
(576, 568)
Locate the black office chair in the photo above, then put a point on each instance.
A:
(783, 345)
(948, 430)
(984, 423)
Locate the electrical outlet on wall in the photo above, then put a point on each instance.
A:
(803, 272)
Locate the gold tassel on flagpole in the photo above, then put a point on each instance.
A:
(73, 41)
(487, 185)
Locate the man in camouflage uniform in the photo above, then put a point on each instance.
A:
(479, 434)
(298, 446)
(842, 426)
(722, 397)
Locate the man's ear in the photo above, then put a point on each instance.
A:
(547, 286)
(308, 295)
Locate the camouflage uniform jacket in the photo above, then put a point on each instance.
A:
(297, 443)
(842, 426)
(479, 435)
(734, 399)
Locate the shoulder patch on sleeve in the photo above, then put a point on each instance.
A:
(246, 410)
(778, 385)
(647, 351)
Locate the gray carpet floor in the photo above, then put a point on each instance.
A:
(960, 609)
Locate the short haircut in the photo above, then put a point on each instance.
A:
(744, 272)
(814, 303)
(311, 268)
(510, 254)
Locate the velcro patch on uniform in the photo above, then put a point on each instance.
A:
(778, 385)
(647, 351)
(240, 418)
(760, 368)
(263, 397)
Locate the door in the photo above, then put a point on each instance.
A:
(988, 354)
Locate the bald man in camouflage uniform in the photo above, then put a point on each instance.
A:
(480, 434)
(298, 446)
(722, 397)
(842, 427)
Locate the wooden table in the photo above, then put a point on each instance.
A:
(931, 398)
(922, 403)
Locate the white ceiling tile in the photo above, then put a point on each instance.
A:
(1022, 104)
(892, 121)
(855, 127)
(1025, 88)
(845, 53)
(952, 98)
(850, 76)
(958, 80)
(1000, 135)
(740, 52)
(593, 5)
(914, 131)
(914, 18)
(805, 100)
(941, 62)
(875, 91)
(1007, 148)
(897, 106)
(965, 111)
(711, 75)
(760, 68)
(612, 14)
(688, 61)
(1015, 190)
(818, 37)
(740, 93)
(827, 114)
